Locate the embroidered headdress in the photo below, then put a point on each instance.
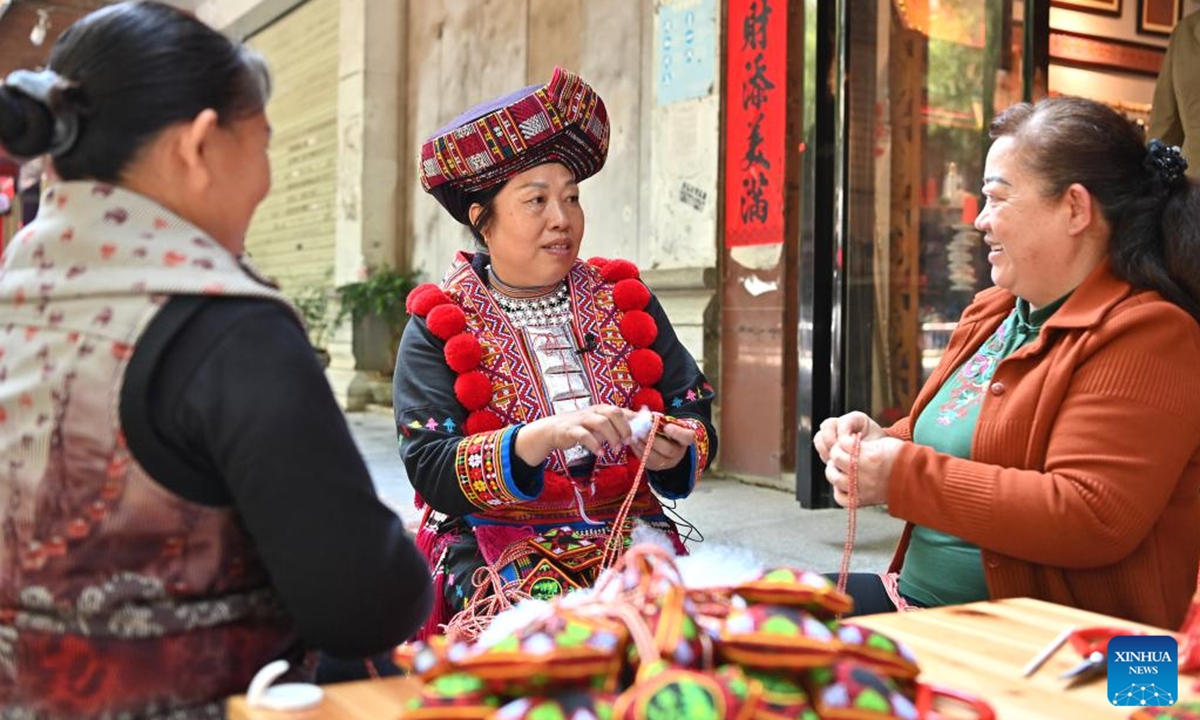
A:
(562, 121)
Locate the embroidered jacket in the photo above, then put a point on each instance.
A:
(117, 598)
(461, 460)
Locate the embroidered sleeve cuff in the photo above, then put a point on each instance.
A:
(484, 466)
(701, 446)
(681, 480)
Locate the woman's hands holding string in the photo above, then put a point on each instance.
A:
(669, 446)
(591, 428)
(835, 444)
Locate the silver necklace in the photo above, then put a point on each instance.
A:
(550, 309)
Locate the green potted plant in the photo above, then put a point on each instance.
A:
(376, 306)
(312, 303)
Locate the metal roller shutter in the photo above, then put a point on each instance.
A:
(292, 236)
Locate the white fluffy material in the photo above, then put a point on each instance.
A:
(716, 566)
(507, 623)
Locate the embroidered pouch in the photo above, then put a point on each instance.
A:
(677, 638)
(456, 695)
(877, 650)
(800, 588)
(424, 658)
(774, 637)
(850, 690)
(563, 651)
(668, 692)
(560, 706)
(783, 697)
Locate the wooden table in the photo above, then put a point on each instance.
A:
(980, 647)
(983, 647)
(362, 700)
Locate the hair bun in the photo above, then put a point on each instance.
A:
(1166, 161)
(56, 97)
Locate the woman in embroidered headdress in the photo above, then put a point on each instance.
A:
(1055, 451)
(181, 501)
(519, 375)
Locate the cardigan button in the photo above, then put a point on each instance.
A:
(998, 388)
(993, 563)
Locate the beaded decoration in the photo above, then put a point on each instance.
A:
(550, 309)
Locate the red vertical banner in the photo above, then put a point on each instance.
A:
(755, 104)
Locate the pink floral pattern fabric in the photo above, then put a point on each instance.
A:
(111, 588)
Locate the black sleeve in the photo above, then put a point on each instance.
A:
(238, 400)
(429, 423)
(686, 394)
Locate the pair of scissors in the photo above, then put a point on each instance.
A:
(1092, 644)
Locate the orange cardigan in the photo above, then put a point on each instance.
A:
(1084, 483)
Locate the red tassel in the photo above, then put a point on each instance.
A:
(597, 261)
(441, 612)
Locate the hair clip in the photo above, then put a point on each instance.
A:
(1167, 161)
(37, 85)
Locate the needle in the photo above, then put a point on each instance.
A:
(1049, 650)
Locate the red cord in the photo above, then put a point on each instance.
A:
(851, 513)
(616, 536)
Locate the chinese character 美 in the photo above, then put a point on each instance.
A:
(754, 154)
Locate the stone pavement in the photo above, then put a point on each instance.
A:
(768, 523)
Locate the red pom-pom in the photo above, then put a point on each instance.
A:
(446, 321)
(647, 397)
(483, 421)
(597, 261)
(617, 270)
(427, 300)
(414, 294)
(473, 389)
(646, 366)
(463, 353)
(639, 329)
(631, 295)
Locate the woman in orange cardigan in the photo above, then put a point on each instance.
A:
(1055, 451)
